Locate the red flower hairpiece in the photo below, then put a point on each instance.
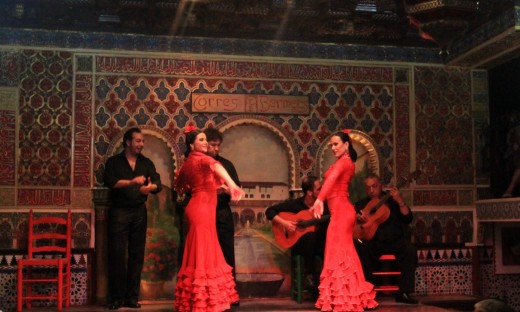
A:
(347, 131)
(189, 129)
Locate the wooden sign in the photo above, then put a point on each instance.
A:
(249, 103)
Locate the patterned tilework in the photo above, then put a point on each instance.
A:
(444, 271)
(402, 131)
(147, 43)
(442, 227)
(503, 286)
(443, 126)
(9, 68)
(13, 229)
(502, 209)
(163, 101)
(7, 146)
(83, 131)
(45, 119)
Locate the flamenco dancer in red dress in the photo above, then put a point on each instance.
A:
(342, 283)
(204, 281)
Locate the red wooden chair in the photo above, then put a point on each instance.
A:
(47, 261)
(385, 273)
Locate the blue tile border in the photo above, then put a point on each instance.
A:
(144, 43)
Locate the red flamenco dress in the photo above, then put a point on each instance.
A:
(204, 281)
(342, 283)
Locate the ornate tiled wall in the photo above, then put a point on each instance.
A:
(155, 93)
(74, 106)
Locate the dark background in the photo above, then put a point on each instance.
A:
(504, 112)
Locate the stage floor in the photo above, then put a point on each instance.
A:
(387, 304)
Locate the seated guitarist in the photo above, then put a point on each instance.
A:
(391, 236)
(311, 244)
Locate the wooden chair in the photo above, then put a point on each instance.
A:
(47, 261)
(386, 273)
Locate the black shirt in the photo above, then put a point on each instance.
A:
(223, 199)
(117, 168)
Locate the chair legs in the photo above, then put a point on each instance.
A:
(386, 274)
(296, 278)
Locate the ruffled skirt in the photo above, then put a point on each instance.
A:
(204, 281)
(210, 291)
(342, 283)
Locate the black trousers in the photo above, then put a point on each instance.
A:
(310, 246)
(226, 234)
(126, 244)
(405, 254)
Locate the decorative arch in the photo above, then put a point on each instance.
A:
(359, 137)
(290, 147)
(153, 131)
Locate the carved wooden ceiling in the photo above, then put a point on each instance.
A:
(410, 23)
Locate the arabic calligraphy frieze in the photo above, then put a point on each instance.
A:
(83, 131)
(242, 69)
(8, 147)
(249, 103)
(36, 197)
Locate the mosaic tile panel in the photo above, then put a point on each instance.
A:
(502, 286)
(9, 68)
(402, 131)
(13, 229)
(439, 271)
(502, 209)
(45, 119)
(435, 197)
(443, 120)
(163, 102)
(7, 146)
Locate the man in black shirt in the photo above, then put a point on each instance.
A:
(130, 177)
(311, 244)
(390, 237)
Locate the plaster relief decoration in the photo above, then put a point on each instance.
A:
(507, 248)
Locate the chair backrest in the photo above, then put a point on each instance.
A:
(49, 235)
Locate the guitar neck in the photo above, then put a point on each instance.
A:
(386, 197)
(311, 222)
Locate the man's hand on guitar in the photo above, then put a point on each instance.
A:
(394, 191)
(288, 225)
(317, 209)
(361, 218)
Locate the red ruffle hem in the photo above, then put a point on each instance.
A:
(205, 291)
(341, 289)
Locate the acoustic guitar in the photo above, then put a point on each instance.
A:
(377, 212)
(305, 223)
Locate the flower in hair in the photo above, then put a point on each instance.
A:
(189, 129)
(347, 131)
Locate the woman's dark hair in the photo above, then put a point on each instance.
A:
(346, 138)
(190, 138)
